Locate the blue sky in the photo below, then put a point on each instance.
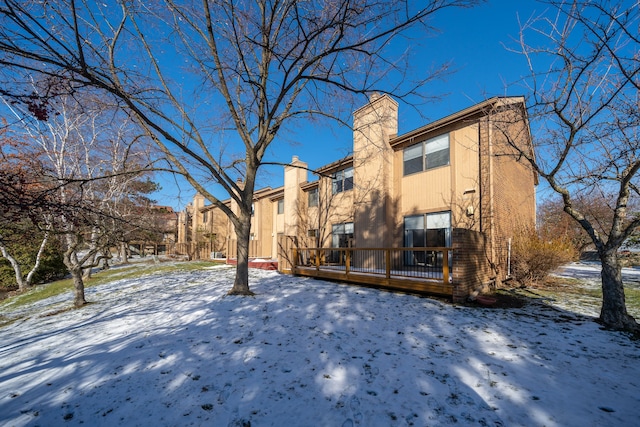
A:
(473, 39)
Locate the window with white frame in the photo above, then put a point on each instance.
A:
(343, 180)
(426, 155)
(280, 206)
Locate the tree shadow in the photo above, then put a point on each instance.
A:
(176, 350)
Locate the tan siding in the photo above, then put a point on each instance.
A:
(465, 160)
(372, 163)
(465, 147)
(426, 191)
(279, 222)
(266, 229)
(341, 208)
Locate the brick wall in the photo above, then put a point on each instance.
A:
(507, 186)
(514, 186)
(472, 272)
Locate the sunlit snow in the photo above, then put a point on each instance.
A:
(175, 350)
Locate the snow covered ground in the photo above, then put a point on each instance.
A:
(174, 350)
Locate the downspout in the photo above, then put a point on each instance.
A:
(491, 194)
(480, 187)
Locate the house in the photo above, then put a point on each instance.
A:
(155, 234)
(457, 185)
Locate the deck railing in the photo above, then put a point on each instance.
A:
(425, 268)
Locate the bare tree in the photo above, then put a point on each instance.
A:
(190, 70)
(585, 76)
(554, 222)
(86, 160)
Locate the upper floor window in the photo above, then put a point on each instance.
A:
(205, 216)
(313, 197)
(343, 180)
(280, 206)
(426, 155)
(253, 209)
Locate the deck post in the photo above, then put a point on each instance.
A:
(387, 262)
(294, 262)
(347, 261)
(445, 266)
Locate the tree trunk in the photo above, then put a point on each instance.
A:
(78, 286)
(16, 268)
(614, 314)
(241, 283)
(74, 267)
(105, 260)
(43, 245)
(88, 273)
(124, 248)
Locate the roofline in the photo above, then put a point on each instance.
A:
(262, 193)
(307, 185)
(345, 161)
(267, 192)
(476, 109)
(212, 206)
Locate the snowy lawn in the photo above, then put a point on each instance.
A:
(174, 350)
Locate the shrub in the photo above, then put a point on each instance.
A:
(534, 257)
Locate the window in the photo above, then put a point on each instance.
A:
(205, 216)
(313, 197)
(342, 235)
(430, 230)
(343, 181)
(253, 209)
(436, 152)
(426, 155)
(313, 232)
(280, 206)
(412, 157)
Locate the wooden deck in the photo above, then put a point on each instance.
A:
(420, 270)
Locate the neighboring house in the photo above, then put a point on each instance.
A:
(157, 235)
(454, 183)
(165, 220)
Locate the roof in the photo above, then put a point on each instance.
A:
(480, 109)
(337, 165)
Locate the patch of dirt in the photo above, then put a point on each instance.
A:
(8, 292)
(65, 309)
(504, 299)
